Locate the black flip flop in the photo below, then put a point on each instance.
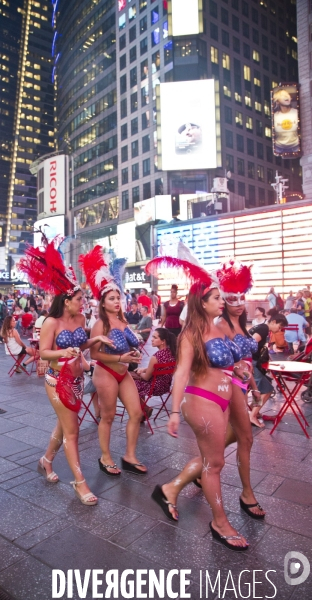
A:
(246, 508)
(132, 467)
(223, 540)
(199, 485)
(105, 468)
(159, 497)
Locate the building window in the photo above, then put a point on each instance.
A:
(247, 74)
(227, 91)
(270, 176)
(238, 97)
(226, 61)
(155, 61)
(260, 153)
(168, 53)
(225, 38)
(132, 34)
(124, 131)
(123, 84)
(143, 5)
(268, 132)
(250, 147)
(133, 79)
(245, 9)
(124, 154)
(122, 42)
(224, 16)
(241, 188)
(145, 143)
(144, 69)
(252, 195)
(265, 62)
(135, 149)
(249, 124)
(267, 108)
(146, 190)
(248, 99)
(236, 45)
(214, 55)
(133, 54)
(132, 13)
(213, 9)
(123, 108)
(240, 143)
(134, 126)
(228, 138)
(155, 15)
(143, 46)
(159, 187)
(228, 115)
(143, 24)
(240, 166)
(259, 128)
(155, 37)
(258, 106)
(214, 31)
(260, 173)
(257, 81)
(134, 102)
(124, 175)
(123, 62)
(229, 162)
(246, 51)
(125, 200)
(144, 95)
(261, 195)
(135, 171)
(135, 194)
(256, 56)
(146, 167)
(251, 170)
(245, 29)
(239, 119)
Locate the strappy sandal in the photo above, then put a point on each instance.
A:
(51, 477)
(132, 467)
(88, 499)
(159, 497)
(251, 514)
(105, 468)
(223, 539)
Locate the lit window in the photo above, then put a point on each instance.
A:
(214, 55)
(247, 75)
(238, 97)
(274, 84)
(248, 99)
(239, 119)
(267, 110)
(225, 61)
(258, 106)
(249, 123)
(256, 56)
(257, 81)
(268, 132)
(226, 91)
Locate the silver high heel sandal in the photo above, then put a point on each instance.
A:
(86, 498)
(51, 477)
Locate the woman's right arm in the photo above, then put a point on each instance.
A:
(163, 316)
(47, 335)
(104, 357)
(181, 377)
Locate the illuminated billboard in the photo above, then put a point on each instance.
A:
(52, 186)
(286, 120)
(185, 17)
(51, 226)
(158, 207)
(186, 125)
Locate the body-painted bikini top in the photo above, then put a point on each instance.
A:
(67, 339)
(123, 341)
(247, 345)
(222, 352)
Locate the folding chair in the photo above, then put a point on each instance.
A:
(18, 359)
(160, 369)
(85, 406)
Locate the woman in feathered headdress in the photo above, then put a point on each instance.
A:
(62, 338)
(202, 390)
(111, 377)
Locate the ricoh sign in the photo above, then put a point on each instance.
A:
(52, 186)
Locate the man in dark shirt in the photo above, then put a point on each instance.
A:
(145, 325)
(133, 316)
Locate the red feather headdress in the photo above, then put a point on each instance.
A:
(193, 272)
(235, 278)
(97, 272)
(44, 267)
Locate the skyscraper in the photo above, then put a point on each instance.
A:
(26, 113)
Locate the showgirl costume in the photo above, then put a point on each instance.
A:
(235, 280)
(45, 268)
(103, 278)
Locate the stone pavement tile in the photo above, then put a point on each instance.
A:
(23, 454)
(14, 481)
(8, 425)
(6, 466)
(133, 531)
(230, 475)
(290, 439)
(178, 460)
(30, 539)
(41, 422)
(269, 484)
(39, 407)
(30, 436)
(308, 460)
(155, 474)
(18, 516)
(9, 554)
(12, 411)
(27, 579)
(177, 444)
(10, 445)
(274, 448)
(13, 472)
(278, 466)
(29, 460)
(298, 492)
(112, 526)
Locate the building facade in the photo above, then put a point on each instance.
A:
(111, 57)
(304, 28)
(27, 113)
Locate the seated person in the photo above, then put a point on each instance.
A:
(296, 336)
(41, 318)
(144, 326)
(33, 313)
(14, 343)
(27, 318)
(166, 343)
(133, 316)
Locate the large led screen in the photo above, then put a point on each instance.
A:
(51, 226)
(185, 17)
(286, 120)
(187, 123)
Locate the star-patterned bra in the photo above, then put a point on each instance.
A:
(222, 352)
(67, 338)
(123, 341)
(247, 345)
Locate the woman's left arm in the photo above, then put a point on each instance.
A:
(18, 339)
(148, 372)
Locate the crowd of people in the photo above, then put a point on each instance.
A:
(219, 386)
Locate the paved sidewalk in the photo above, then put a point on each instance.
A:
(44, 526)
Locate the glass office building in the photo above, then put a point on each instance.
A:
(110, 56)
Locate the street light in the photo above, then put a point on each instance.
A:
(279, 187)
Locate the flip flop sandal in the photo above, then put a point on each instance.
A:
(223, 539)
(160, 498)
(132, 467)
(105, 468)
(251, 514)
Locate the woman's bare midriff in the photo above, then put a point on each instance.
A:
(214, 381)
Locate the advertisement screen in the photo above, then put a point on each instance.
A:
(187, 120)
(51, 226)
(185, 17)
(126, 241)
(286, 120)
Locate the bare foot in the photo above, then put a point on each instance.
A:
(250, 499)
(255, 421)
(226, 529)
(172, 497)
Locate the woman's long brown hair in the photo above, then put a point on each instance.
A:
(196, 325)
(103, 315)
(6, 327)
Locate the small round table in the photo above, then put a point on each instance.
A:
(282, 372)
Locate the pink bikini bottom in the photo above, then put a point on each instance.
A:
(191, 389)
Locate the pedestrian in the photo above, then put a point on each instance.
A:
(271, 297)
(260, 316)
(289, 302)
(171, 312)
